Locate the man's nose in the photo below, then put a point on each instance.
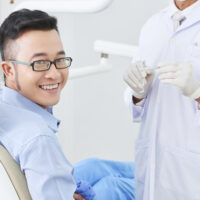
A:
(52, 73)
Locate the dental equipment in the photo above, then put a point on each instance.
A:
(105, 48)
(70, 6)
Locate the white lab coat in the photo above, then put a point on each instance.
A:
(168, 146)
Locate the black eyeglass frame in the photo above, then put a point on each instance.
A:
(49, 64)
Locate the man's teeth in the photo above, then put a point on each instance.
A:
(49, 87)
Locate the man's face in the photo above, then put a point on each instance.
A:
(40, 45)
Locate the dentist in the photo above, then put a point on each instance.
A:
(164, 94)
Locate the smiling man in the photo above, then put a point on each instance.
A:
(36, 70)
(30, 73)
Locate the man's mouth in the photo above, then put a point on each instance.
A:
(49, 87)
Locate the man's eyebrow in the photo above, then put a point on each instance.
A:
(44, 54)
(61, 53)
(38, 55)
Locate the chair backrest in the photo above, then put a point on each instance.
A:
(16, 177)
(7, 191)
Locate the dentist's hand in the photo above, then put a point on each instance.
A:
(180, 75)
(139, 78)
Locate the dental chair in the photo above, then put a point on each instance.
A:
(13, 184)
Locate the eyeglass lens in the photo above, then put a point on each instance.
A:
(44, 65)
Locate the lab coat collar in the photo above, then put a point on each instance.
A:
(192, 14)
(186, 12)
(14, 98)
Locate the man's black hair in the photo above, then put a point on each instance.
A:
(23, 20)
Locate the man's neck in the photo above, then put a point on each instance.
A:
(183, 5)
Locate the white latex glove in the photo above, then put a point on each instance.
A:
(180, 75)
(139, 78)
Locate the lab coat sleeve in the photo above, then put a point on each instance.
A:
(135, 109)
(49, 174)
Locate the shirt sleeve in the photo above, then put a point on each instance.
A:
(49, 174)
(135, 109)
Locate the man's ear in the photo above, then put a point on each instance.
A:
(9, 70)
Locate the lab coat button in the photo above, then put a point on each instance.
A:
(172, 40)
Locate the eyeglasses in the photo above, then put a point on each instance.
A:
(44, 65)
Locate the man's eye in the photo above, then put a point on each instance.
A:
(60, 60)
(41, 62)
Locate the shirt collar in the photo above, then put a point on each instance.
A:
(172, 9)
(186, 12)
(14, 98)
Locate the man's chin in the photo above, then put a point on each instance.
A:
(49, 104)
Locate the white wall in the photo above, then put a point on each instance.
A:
(95, 121)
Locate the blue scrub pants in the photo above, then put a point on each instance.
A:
(111, 180)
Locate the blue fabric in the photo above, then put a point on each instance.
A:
(85, 190)
(109, 179)
(28, 132)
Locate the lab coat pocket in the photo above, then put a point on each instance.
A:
(180, 175)
(194, 58)
(194, 46)
(195, 49)
(141, 159)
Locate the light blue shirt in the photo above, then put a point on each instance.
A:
(28, 132)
